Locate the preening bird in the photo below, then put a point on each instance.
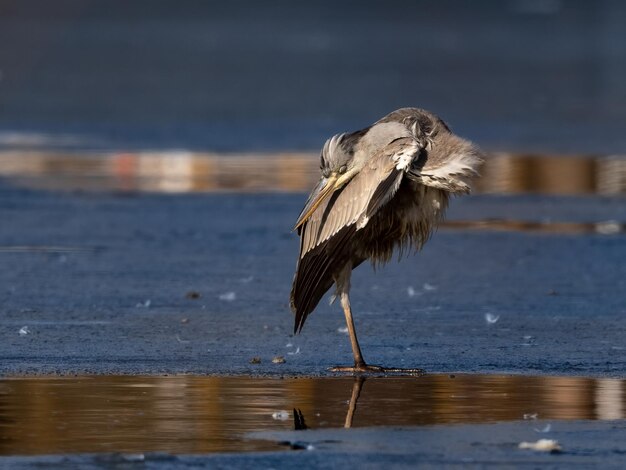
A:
(382, 188)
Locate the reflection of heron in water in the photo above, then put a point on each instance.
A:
(299, 424)
(357, 386)
(382, 188)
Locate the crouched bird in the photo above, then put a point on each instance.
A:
(382, 188)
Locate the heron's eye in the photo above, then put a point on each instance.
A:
(343, 169)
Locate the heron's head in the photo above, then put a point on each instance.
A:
(337, 155)
(337, 165)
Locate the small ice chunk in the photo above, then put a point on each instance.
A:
(410, 291)
(530, 415)
(490, 318)
(228, 296)
(281, 415)
(144, 304)
(544, 429)
(24, 331)
(343, 329)
(542, 445)
(429, 287)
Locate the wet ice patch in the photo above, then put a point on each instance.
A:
(133, 457)
(343, 329)
(24, 331)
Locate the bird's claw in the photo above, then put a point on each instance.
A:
(360, 369)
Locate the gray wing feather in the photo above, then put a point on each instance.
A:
(360, 198)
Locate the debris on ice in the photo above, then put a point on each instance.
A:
(490, 318)
(228, 296)
(542, 445)
(545, 429)
(281, 415)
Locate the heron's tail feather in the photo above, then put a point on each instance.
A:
(315, 274)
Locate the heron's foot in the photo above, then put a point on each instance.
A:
(370, 369)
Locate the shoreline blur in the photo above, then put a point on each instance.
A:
(200, 172)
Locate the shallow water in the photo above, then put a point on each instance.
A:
(191, 414)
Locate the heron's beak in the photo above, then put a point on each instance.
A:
(320, 193)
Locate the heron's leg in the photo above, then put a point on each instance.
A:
(354, 342)
(342, 280)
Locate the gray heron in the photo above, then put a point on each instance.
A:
(382, 188)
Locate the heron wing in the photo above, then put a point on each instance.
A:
(362, 196)
(326, 237)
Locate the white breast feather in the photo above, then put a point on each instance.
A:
(457, 165)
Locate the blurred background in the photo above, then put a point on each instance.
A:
(160, 89)
(522, 75)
